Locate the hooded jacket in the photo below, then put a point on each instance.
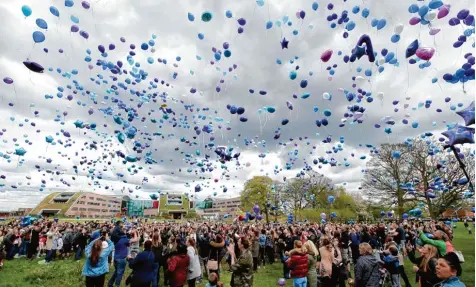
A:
(367, 273)
(178, 267)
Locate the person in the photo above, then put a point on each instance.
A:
(96, 266)
(157, 249)
(354, 246)
(391, 264)
(194, 270)
(425, 265)
(213, 281)
(204, 250)
(134, 242)
(242, 270)
(367, 273)
(437, 241)
(79, 243)
(326, 251)
(120, 258)
(34, 241)
(401, 262)
(216, 247)
(270, 247)
(448, 269)
(178, 267)
(298, 263)
(68, 242)
(312, 253)
(142, 267)
(255, 250)
(262, 248)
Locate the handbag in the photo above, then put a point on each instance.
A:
(212, 264)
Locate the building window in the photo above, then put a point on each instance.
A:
(74, 209)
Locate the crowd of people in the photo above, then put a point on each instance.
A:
(188, 253)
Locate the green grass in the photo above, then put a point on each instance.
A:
(20, 272)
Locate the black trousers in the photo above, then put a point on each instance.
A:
(270, 254)
(261, 256)
(401, 270)
(95, 281)
(255, 263)
(31, 249)
(191, 282)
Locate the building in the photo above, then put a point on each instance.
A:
(82, 204)
(460, 213)
(176, 205)
(143, 208)
(218, 207)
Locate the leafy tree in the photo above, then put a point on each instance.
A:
(257, 191)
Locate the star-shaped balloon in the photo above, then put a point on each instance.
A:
(359, 51)
(284, 43)
(468, 114)
(20, 151)
(459, 135)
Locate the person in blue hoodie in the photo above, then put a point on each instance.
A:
(448, 269)
(391, 264)
(121, 245)
(96, 266)
(142, 267)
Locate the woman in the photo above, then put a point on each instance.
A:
(216, 247)
(425, 265)
(178, 267)
(311, 263)
(157, 250)
(448, 269)
(194, 269)
(242, 275)
(326, 252)
(142, 267)
(367, 273)
(134, 243)
(298, 263)
(96, 265)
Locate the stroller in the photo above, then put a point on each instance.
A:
(385, 278)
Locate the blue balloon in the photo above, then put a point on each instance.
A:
(389, 57)
(228, 14)
(435, 4)
(368, 73)
(74, 19)
(26, 10)
(38, 37)
(269, 25)
(201, 36)
(315, 6)
(69, 3)
(381, 23)
(190, 17)
(355, 9)
(374, 22)
(41, 23)
(350, 26)
(423, 11)
(395, 38)
(380, 69)
(413, 8)
(54, 11)
(365, 12)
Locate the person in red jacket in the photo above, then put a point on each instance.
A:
(178, 267)
(298, 265)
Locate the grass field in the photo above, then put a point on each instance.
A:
(23, 273)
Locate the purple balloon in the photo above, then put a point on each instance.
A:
(462, 14)
(8, 80)
(443, 11)
(414, 21)
(302, 14)
(74, 28)
(242, 22)
(469, 20)
(84, 34)
(454, 21)
(85, 5)
(457, 44)
(434, 31)
(123, 40)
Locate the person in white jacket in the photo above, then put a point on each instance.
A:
(194, 269)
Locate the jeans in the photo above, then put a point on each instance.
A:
(12, 252)
(395, 280)
(95, 281)
(50, 255)
(119, 270)
(156, 280)
(79, 252)
(23, 247)
(203, 264)
(300, 282)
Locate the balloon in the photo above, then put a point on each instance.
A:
(190, 17)
(34, 67)
(326, 96)
(54, 11)
(398, 29)
(443, 11)
(260, 3)
(361, 49)
(430, 16)
(414, 21)
(381, 24)
(467, 114)
(435, 4)
(7, 80)
(315, 6)
(462, 14)
(425, 53)
(38, 37)
(411, 49)
(423, 10)
(26, 10)
(228, 14)
(459, 135)
(207, 16)
(395, 38)
(326, 55)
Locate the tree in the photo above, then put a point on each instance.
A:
(386, 174)
(427, 163)
(306, 191)
(257, 191)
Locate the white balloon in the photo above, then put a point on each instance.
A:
(381, 61)
(430, 16)
(407, 115)
(406, 106)
(326, 96)
(407, 98)
(398, 28)
(380, 95)
(343, 120)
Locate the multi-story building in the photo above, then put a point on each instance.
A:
(82, 204)
(218, 207)
(175, 204)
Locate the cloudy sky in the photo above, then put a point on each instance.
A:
(255, 52)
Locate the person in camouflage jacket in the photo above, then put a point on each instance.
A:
(243, 268)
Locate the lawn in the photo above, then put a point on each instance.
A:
(21, 272)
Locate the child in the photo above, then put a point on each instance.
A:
(213, 280)
(391, 264)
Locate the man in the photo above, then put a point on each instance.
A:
(80, 242)
(121, 245)
(204, 250)
(34, 241)
(68, 242)
(117, 232)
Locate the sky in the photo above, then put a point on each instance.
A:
(29, 106)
